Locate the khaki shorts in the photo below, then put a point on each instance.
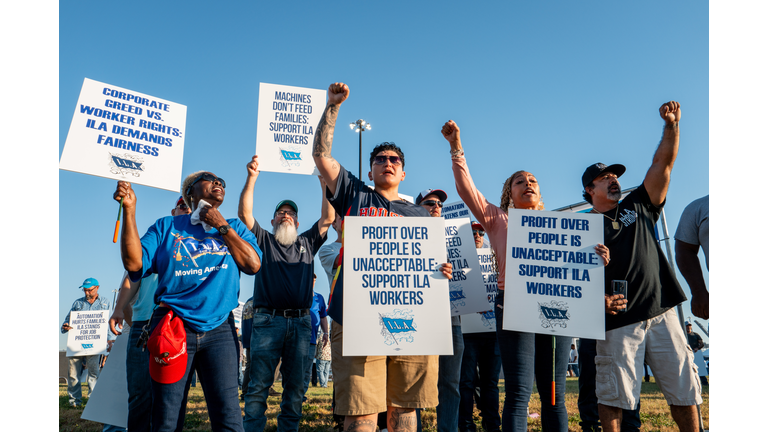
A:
(369, 384)
(659, 341)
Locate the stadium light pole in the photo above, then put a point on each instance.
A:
(360, 126)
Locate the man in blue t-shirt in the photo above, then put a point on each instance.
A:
(282, 297)
(400, 383)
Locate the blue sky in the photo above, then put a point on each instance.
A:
(547, 87)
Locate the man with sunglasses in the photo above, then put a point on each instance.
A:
(282, 298)
(450, 365)
(396, 384)
(91, 301)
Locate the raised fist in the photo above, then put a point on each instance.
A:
(670, 112)
(450, 131)
(253, 166)
(337, 93)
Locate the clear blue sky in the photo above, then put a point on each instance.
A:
(542, 88)
(549, 87)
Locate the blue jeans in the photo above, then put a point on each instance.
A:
(630, 419)
(274, 337)
(139, 382)
(213, 355)
(523, 356)
(74, 386)
(480, 367)
(323, 370)
(448, 385)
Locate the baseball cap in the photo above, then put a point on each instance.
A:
(477, 226)
(89, 283)
(284, 202)
(687, 323)
(440, 194)
(180, 201)
(595, 170)
(168, 350)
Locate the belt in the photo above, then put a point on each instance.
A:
(285, 313)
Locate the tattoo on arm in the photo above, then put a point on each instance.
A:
(324, 132)
(362, 426)
(403, 420)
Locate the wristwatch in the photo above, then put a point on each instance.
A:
(224, 229)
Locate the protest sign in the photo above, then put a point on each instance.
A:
(89, 333)
(238, 313)
(395, 297)
(456, 209)
(554, 278)
(125, 135)
(484, 321)
(467, 289)
(108, 403)
(285, 128)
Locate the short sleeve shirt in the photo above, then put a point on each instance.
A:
(637, 257)
(355, 198)
(694, 225)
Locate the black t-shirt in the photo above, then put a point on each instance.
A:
(636, 257)
(286, 276)
(354, 198)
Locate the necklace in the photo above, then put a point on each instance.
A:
(615, 224)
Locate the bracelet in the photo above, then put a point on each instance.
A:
(455, 154)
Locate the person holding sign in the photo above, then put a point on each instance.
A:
(282, 299)
(397, 384)
(523, 355)
(198, 259)
(649, 329)
(91, 301)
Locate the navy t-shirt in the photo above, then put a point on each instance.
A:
(354, 198)
(287, 272)
(636, 257)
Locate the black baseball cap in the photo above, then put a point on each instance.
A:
(595, 170)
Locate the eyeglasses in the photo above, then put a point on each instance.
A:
(381, 160)
(89, 289)
(430, 203)
(482, 233)
(282, 213)
(209, 177)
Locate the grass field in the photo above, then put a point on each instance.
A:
(654, 411)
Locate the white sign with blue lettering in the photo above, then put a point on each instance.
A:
(395, 297)
(125, 135)
(485, 321)
(285, 128)
(468, 294)
(456, 209)
(89, 333)
(554, 278)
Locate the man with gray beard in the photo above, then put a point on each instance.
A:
(282, 297)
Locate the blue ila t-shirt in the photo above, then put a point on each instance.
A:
(197, 276)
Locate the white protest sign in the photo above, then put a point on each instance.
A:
(554, 278)
(285, 128)
(125, 135)
(484, 321)
(89, 333)
(395, 297)
(467, 287)
(108, 403)
(238, 313)
(456, 209)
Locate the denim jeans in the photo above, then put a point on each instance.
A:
(323, 370)
(523, 356)
(213, 355)
(448, 385)
(274, 337)
(590, 420)
(74, 386)
(480, 367)
(139, 382)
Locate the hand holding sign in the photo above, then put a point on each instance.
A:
(124, 193)
(337, 93)
(604, 253)
(253, 167)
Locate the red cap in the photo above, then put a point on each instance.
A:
(477, 226)
(168, 350)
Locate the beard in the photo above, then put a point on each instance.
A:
(613, 196)
(285, 233)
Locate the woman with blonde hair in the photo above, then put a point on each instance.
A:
(523, 355)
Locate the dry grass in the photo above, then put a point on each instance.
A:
(654, 411)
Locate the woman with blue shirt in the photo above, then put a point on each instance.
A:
(198, 259)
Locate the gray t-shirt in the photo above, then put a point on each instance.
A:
(694, 225)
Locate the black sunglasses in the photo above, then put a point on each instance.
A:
(209, 177)
(381, 160)
(481, 232)
(430, 203)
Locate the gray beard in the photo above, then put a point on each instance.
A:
(614, 196)
(285, 234)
